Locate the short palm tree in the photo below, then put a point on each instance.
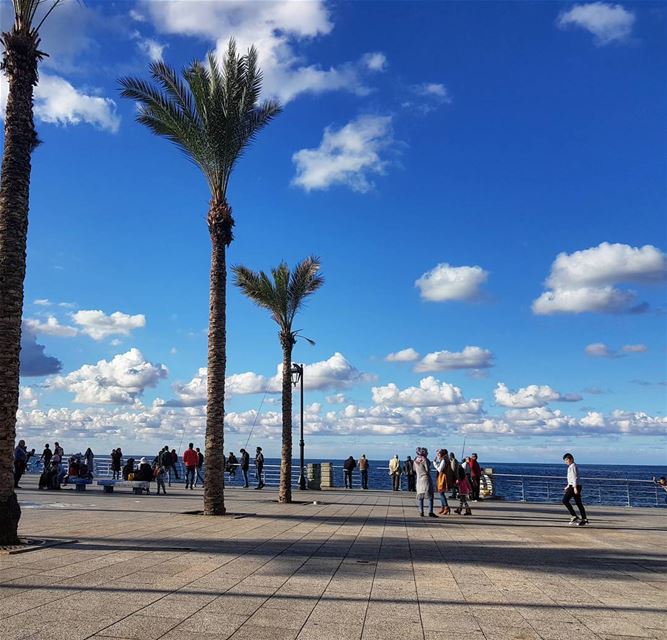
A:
(20, 58)
(283, 298)
(212, 114)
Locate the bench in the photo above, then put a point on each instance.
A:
(79, 483)
(137, 486)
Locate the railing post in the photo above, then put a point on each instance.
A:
(627, 485)
(523, 491)
(600, 494)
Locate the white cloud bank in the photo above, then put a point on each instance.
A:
(51, 327)
(404, 355)
(531, 396)
(607, 22)
(121, 380)
(601, 350)
(347, 156)
(445, 283)
(98, 325)
(277, 29)
(469, 358)
(586, 281)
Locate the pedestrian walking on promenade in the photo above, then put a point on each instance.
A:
(167, 462)
(20, 462)
(160, 476)
(409, 473)
(116, 463)
(46, 456)
(464, 490)
(89, 457)
(245, 465)
(451, 472)
(348, 467)
(424, 481)
(363, 468)
(573, 490)
(395, 473)
(441, 463)
(259, 467)
(190, 460)
(200, 467)
(475, 476)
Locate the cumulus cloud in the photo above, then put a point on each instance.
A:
(277, 29)
(337, 398)
(469, 358)
(601, 350)
(51, 327)
(28, 398)
(531, 396)
(98, 325)
(152, 49)
(445, 282)
(33, 360)
(347, 156)
(404, 355)
(121, 380)
(635, 348)
(607, 22)
(587, 280)
(430, 393)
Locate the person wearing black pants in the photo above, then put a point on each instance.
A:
(573, 490)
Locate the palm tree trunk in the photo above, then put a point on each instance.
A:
(285, 491)
(20, 64)
(220, 228)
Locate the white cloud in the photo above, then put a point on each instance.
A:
(600, 350)
(404, 355)
(43, 302)
(153, 49)
(118, 381)
(277, 29)
(375, 61)
(51, 327)
(430, 393)
(445, 282)
(586, 280)
(98, 325)
(635, 348)
(469, 358)
(348, 156)
(337, 398)
(607, 22)
(28, 398)
(531, 396)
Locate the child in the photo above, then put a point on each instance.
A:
(160, 477)
(464, 491)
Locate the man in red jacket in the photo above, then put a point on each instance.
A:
(190, 460)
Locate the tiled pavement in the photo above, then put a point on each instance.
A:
(357, 566)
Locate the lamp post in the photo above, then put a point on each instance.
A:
(297, 377)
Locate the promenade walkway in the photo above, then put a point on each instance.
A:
(357, 566)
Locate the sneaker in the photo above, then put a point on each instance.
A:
(573, 521)
(432, 515)
(582, 523)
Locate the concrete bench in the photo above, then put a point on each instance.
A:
(137, 486)
(79, 483)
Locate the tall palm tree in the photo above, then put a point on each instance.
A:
(283, 298)
(212, 114)
(20, 57)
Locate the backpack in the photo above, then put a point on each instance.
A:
(165, 459)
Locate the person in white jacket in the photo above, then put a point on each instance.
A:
(573, 490)
(395, 473)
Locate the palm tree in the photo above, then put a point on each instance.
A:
(283, 298)
(20, 57)
(212, 114)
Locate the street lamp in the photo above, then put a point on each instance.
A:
(297, 377)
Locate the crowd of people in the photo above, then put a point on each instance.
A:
(461, 480)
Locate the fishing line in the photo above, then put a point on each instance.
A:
(255, 420)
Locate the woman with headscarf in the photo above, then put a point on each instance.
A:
(441, 464)
(424, 481)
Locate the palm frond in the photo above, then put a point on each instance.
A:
(304, 281)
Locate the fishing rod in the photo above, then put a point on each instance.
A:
(463, 448)
(255, 420)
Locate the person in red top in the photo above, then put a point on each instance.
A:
(476, 476)
(190, 460)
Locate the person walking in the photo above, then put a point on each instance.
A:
(200, 467)
(190, 460)
(454, 464)
(424, 481)
(160, 477)
(475, 476)
(166, 461)
(409, 473)
(116, 463)
(464, 489)
(259, 467)
(395, 473)
(46, 456)
(232, 464)
(89, 457)
(348, 467)
(573, 490)
(174, 462)
(245, 465)
(363, 469)
(20, 462)
(441, 463)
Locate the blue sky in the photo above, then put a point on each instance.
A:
(485, 186)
